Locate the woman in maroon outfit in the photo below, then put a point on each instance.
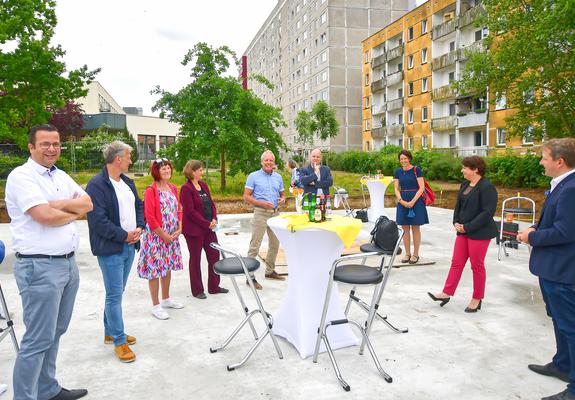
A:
(199, 221)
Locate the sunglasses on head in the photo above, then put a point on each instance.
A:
(161, 160)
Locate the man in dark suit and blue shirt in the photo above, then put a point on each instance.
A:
(553, 259)
(316, 177)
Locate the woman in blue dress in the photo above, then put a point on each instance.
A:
(411, 210)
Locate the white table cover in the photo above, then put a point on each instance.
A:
(377, 190)
(309, 254)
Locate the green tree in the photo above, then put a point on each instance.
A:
(32, 77)
(218, 118)
(532, 61)
(320, 123)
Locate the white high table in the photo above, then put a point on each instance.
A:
(309, 254)
(377, 188)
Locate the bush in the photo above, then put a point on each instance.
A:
(8, 163)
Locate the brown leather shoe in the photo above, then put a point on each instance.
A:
(124, 353)
(110, 340)
(274, 275)
(256, 284)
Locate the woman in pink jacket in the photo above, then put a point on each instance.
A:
(200, 220)
(160, 253)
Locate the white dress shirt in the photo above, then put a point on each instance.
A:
(126, 202)
(32, 184)
(555, 181)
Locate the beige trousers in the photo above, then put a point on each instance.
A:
(259, 228)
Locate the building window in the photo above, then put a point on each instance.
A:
(424, 56)
(324, 95)
(424, 85)
(452, 109)
(147, 147)
(367, 102)
(366, 57)
(366, 79)
(324, 76)
(399, 67)
(528, 136)
(367, 124)
(324, 57)
(452, 46)
(298, 24)
(410, 61)
(410, 143)
(500, 137)
(423, 26)
(400, 142)
(452, 140)
(166, 141)
(529, 96)
(410, 33)
(323, 37)
(451, 77)
(306, 104)
(410, 89)
(305, 35)
(479, 138)
(400, 118)
(400, 93)
(410, 116)
(424, 113)
(305, 18)
(323, 18)
(501, 101)
(305, 86)
(424, 142)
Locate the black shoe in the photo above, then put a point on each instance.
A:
(549, 370)
(564, 395)
(66, 394)
(200, 296)
(469, 309)
(220, 290)
(443, 301)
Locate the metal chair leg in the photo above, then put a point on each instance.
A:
(241, 299)
(9, 323)
(342, 382)
(385, 375)
(323, 316)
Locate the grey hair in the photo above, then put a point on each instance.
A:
(316, 149)
(115, 149)
(267, 152)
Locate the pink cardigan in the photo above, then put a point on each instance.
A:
(152, 211)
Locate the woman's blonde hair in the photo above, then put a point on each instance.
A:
(191, 166)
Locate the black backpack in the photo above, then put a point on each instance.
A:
(385, 233)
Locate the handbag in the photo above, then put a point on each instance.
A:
(428, 194)
(361, 215)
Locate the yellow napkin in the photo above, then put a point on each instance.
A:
(386, 180)
(346, 228)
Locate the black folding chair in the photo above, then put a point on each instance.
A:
(233, 265)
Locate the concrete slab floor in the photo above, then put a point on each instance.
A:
(447, 353)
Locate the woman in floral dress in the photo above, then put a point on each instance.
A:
(160, 253)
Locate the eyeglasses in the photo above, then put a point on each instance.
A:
(161, 160)
(47, 145)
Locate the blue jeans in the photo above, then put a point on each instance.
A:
(560, 302)
(115, 271)
(48, 289)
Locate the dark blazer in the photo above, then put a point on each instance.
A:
(553, 252)
(475, 211)
(194, 223)
(106, 235)
(308, 179)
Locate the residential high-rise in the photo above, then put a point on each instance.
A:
(311, 50)
(408, 71)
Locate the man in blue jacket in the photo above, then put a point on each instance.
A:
(115, 226)
(316, 177)
(553, 259)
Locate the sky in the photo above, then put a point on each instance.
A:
(140, 44)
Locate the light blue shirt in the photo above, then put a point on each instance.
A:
(265, 187)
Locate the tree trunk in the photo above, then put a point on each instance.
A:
(222, 169)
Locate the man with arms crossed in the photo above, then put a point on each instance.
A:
(316, 178)
(553, 259)
(43, 202)
(265, 191)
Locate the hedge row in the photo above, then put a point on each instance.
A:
(503, 170)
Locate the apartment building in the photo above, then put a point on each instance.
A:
(311, 50)
(408, 70)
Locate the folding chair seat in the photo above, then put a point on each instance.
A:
(356, 275)
(232, 265)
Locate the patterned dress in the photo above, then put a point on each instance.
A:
(157, 257)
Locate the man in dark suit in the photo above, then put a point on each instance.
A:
(316, 176)
(553, 259)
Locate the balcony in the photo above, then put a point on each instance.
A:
(480, 151)
(378, 61)
(394, 53)
(378, 133)
(379, 109)
(471, 15)
(443, 93)
(378, 85)
(394, 78)
(394, 130)
(472, 119)
(394, 104)
(443, 29)
(472, 48)
(443, 123)
(445, 60)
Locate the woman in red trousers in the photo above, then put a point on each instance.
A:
(199, 222)
(475, 227)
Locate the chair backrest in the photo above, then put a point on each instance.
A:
(231, 254)
(385, 233)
